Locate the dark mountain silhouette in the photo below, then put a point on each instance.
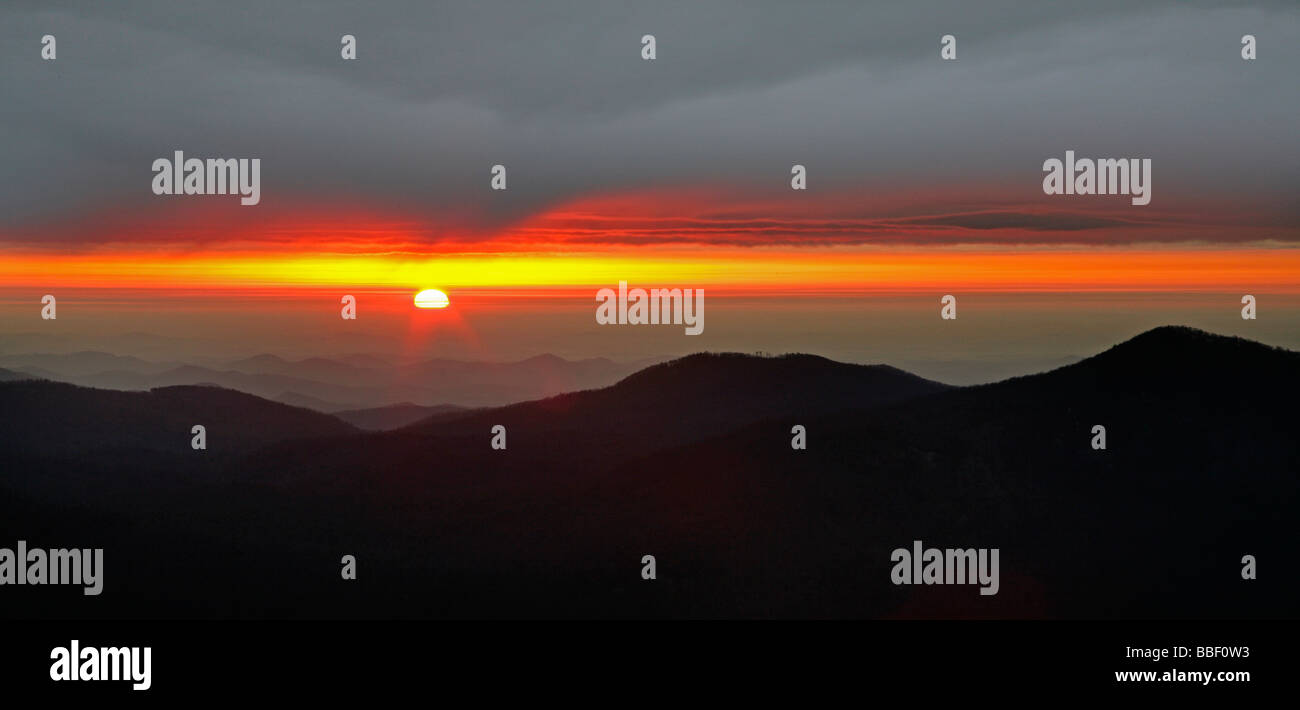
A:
(262, 385)
(394, 416)
(691, 462)
(63, 420)
(691, 398)
(9, 375)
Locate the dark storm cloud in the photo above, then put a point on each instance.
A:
(558, 93)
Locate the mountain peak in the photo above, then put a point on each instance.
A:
(1182, 358)
(733, 366)
(543, 359)
(1175, 339)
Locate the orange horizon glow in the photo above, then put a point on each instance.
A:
(986, 238)
(811, 269)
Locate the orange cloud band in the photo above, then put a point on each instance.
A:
(1272, 269)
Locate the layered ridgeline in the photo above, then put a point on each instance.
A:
(8, 375)
(691, 461)
(394, 416)
(330, 385)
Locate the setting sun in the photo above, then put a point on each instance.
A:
(431, 298)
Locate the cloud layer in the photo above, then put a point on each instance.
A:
(740, 91)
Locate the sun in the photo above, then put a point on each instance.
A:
(431, 298)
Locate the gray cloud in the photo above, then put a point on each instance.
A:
(557, 92)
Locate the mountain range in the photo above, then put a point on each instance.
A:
(690, 461)
(329, 385)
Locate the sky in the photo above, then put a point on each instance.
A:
(924, 176)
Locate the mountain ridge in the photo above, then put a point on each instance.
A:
(693, 462)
